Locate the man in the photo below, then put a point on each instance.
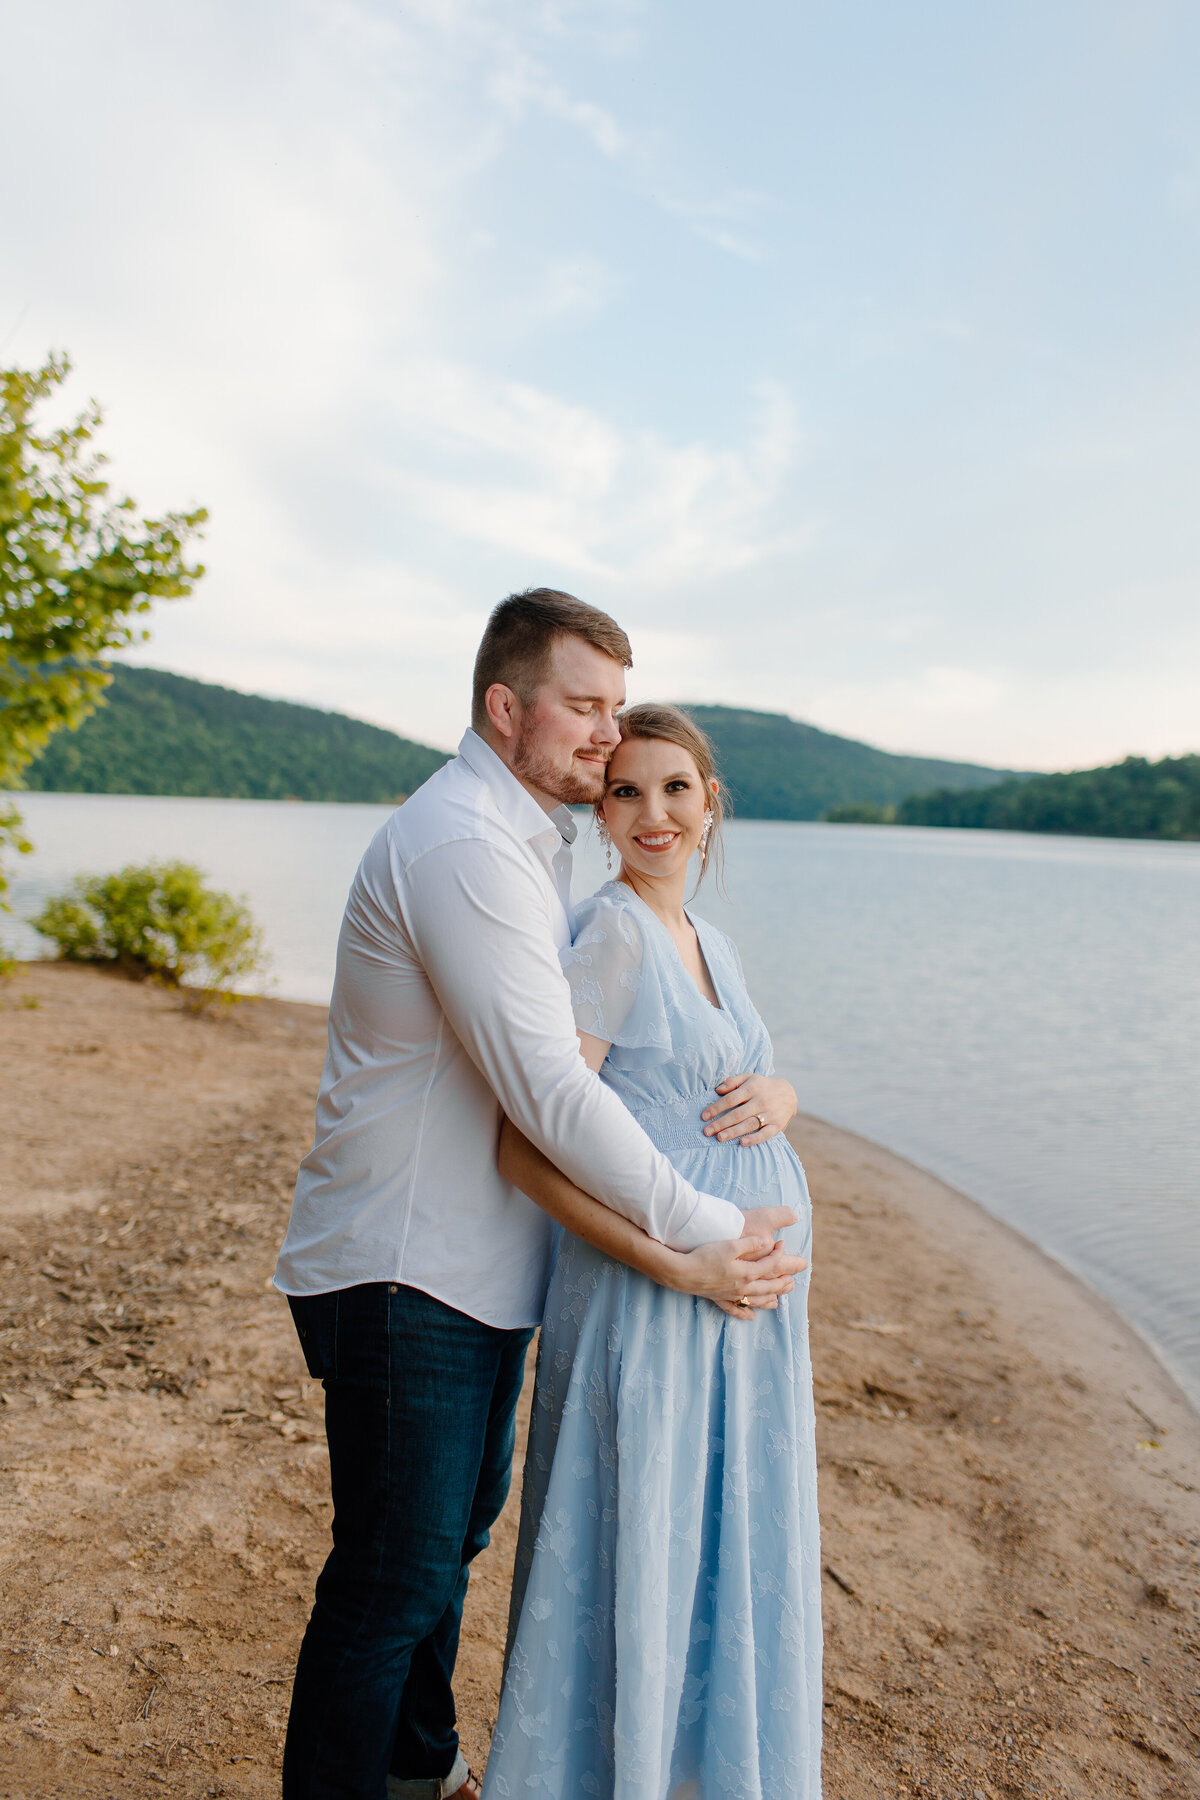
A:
(415, 1273)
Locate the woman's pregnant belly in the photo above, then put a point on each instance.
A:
(754, 1175)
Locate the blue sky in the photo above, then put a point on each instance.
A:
(848, 353)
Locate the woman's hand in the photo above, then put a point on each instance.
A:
(752, 1108)
(743, 1275)
(768, 1220)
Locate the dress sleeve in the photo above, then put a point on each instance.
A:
(616, 989)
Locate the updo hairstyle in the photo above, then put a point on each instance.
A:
(671, 725)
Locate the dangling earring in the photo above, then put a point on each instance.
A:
(606, 840)
(703, 845)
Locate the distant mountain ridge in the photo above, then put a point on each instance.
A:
(777, 768)
(161, 733)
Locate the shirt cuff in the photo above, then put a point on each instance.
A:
(712, 1220)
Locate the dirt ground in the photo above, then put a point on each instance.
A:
(1009, 1484)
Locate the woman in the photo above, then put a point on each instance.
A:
(665, 1640)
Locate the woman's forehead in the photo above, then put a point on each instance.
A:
(656, 758)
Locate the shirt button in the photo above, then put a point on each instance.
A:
(393, 1289)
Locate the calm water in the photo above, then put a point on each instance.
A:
(1020, 1015)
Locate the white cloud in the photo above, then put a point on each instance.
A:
(728, 241)
(724, 219)
(560, 483)
(572, 289)
(1018, 718)
(523, 83)
(416, 299)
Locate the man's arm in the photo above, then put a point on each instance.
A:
(478, 915)
(754, 1267)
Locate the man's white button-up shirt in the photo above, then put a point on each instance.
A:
(449, 1007)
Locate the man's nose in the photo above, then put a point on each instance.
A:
(608, 730)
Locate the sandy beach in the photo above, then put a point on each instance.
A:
(1010, 1484)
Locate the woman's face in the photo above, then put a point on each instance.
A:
(654, 805)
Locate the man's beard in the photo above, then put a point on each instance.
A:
(570, 787)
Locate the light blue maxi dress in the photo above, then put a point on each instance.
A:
(665, 1635)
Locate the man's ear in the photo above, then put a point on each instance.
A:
(503, 709)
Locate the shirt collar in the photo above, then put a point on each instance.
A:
(516, 804)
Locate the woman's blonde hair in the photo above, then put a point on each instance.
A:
(671, 725)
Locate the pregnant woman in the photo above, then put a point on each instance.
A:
(665, 1636)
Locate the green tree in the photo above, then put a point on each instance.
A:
(77, 568)
(1134, 798)
(860, 812)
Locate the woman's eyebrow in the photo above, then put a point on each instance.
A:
(680, 775)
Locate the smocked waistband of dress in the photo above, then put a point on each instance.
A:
(678, 1125)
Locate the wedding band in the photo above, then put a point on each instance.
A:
(762, 1121)
(744, 1301)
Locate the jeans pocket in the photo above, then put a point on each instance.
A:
(315, 1319)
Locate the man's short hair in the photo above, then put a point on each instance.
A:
(521, 635)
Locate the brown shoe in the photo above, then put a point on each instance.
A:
(470, 1789)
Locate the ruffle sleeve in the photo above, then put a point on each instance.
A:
(616, 988)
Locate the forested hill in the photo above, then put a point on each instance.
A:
(164, 734)
(777, 768)
(160, 733)
(1132, 799)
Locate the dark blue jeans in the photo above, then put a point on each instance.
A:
(420, 1406)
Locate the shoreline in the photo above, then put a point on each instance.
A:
(976, 1230)
(1010, 1503)
(1035, 833)
(1009, 1480)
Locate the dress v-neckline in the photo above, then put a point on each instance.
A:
(720, 1006)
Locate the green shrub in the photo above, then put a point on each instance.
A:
(157, 921)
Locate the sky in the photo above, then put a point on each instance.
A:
(847, 352)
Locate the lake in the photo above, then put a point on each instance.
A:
(1019, 1014)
